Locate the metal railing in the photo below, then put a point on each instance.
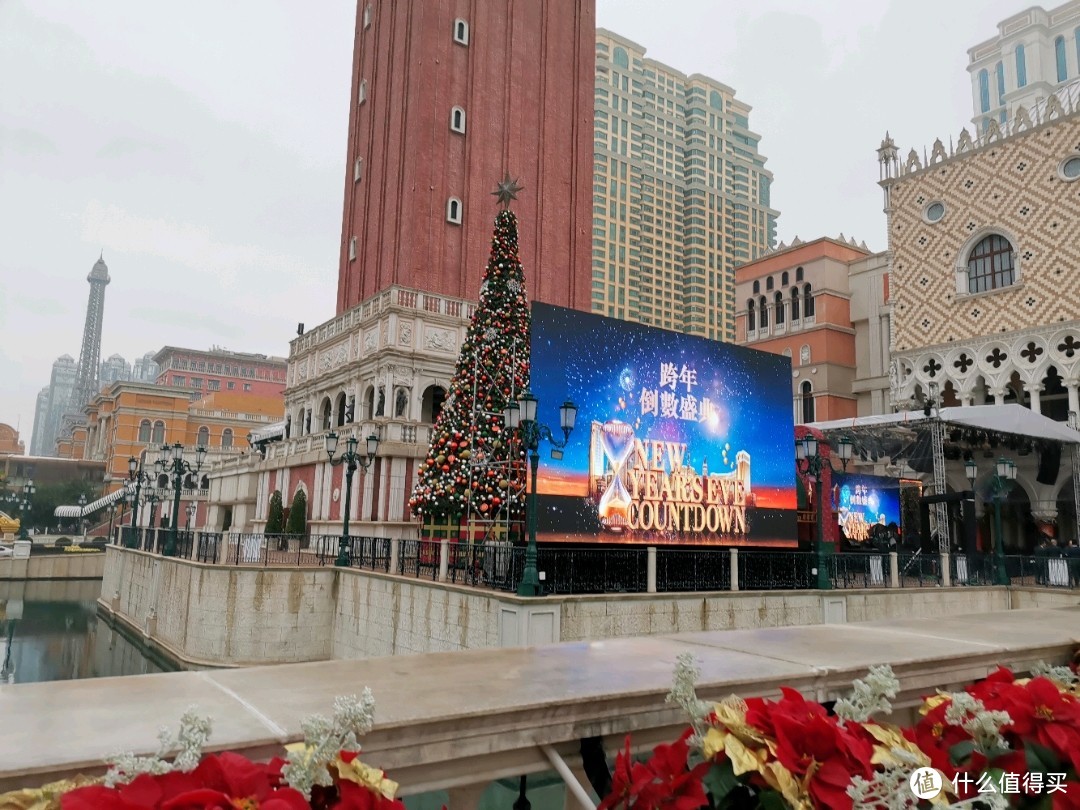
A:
(693, 569)
(564, 570)
(776, 570)
(858, 570)
(919, 569)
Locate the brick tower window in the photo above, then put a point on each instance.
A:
(361, 95)
(453, 211)
(367, 16)
(352, 249)
(457, 119)
(461, 32)
(358, 169)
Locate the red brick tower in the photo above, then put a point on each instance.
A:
(447, 96)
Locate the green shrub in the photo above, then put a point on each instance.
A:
(298, 514)
(274, 516)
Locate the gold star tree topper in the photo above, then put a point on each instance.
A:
(506, 190)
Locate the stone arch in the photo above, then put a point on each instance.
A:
(369, 402)
(340, 406)
(431, 403)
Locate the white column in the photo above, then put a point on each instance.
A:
(894, 570)
(1074, 396)
(650, 569)
(1034, 389)
(733, 576)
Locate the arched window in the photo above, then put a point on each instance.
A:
(716, 101)
(162, 481)
(984, 91)
(159, 432)
(779, 302)
(369, 402)
(453, 211)
(380, 404)
(340, 407)
(457, 119)
(620, 58)
(751, 317)
(226, 439)
(798, 274)
(784, 279)
(288, 426)
(1059, 55)
(794, 303)
(768, 283)
(461, 32)
(808, 302)
(204, 437)
(757, 287)
(806, 394)
(144, 430)
(991, 265)
(401, 403)
(327, 415)
(1000, 71)
(1021, 67)
(204, 483)
(764, 311)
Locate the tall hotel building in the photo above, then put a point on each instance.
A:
(681, 195)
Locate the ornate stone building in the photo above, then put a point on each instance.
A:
(382, 368)
(985, 241)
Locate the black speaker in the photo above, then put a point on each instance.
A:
(1049, 462)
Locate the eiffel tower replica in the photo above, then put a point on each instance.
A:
(86, 376)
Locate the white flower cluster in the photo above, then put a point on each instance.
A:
(325, 737)
(984, 726)
(1062, 675)
(889, 789)
(188, 744)
(871, 696)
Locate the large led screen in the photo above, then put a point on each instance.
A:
(867, 508)
(679, 440)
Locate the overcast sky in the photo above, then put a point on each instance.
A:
(202, 147)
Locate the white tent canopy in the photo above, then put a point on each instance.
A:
(90, 508)
(1012, 419)
(269, 433)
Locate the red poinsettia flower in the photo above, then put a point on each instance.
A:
(220, 782)
(1042, 712)
(627, 781)
(674, 786)
(663, 783)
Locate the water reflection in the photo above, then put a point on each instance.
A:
(50, 631)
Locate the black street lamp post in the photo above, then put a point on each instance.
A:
(522, 415)
(172, 459)
(82, 517)
(810, 462)
(1001, 483)
(138, 476)
(27, 502)
(351, 459)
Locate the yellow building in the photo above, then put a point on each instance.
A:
(128, 417)
(681, 196)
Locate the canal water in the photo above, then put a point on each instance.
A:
(50, 631)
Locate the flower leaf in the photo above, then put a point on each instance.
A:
(720, 781)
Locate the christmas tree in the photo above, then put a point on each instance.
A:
(473, 470)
